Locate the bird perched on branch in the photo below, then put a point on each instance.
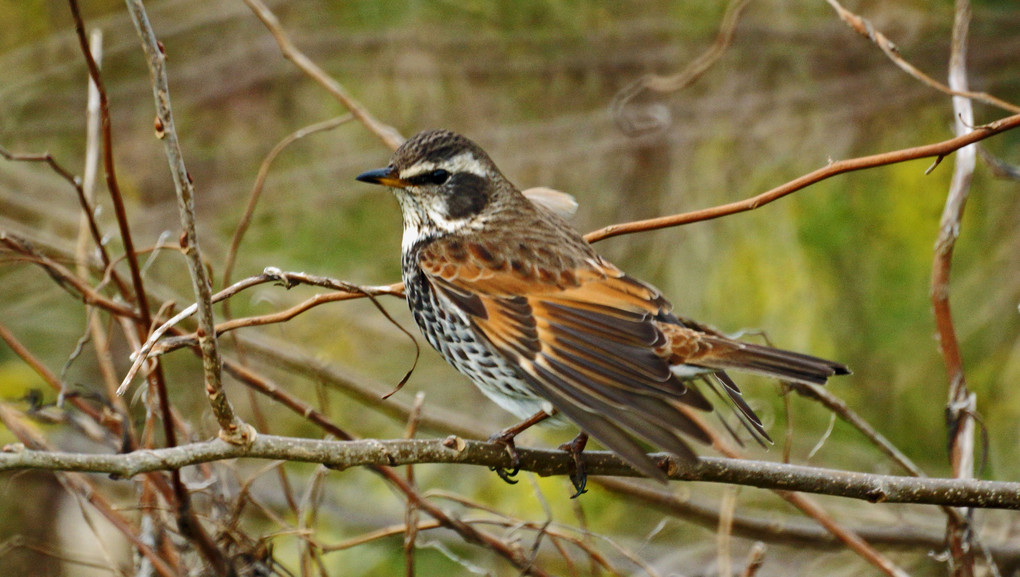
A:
(517, 300)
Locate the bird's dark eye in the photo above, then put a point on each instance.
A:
(437, 176)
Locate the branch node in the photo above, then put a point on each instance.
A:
(239, 433)
(938, 161)
(456, 443)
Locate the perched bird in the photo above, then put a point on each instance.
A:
(517, 300)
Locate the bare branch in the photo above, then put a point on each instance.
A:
(961, 405)
(789, 530)
(938, 150)
(260, 180)
(392, 453)
(231, 426)
(84, 487)
(387, 134)
(270, 275)
(863, 27)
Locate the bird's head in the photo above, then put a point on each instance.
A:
(445, 183)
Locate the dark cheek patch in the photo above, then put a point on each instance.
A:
(468, 195)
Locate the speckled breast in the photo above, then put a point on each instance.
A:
(449, 331)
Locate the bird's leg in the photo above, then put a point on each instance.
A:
(578, 477)
(506, 438)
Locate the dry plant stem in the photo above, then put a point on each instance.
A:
(66, 279)
(840, 408)
(367, 391)
(411, 514)
(470, 534)
(848, 537)
(86, 224)
(44, 372)
(109, 171)
(507, 523)
(938, 150)
(998, 167)
(86, 206)
(156, 379)
(844, 412)
(392, 453)
(14, 421)
(755, 560)
(863, 27)
(676, 82)
(287, 279)
(231, 427)
(387, 134)
(187, 521)
(961, 405)
(813, 510)
(260, 181)
(789, 531)
(724, 532)
(235, 244)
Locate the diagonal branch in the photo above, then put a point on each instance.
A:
(939, 150)
(387, 134)
(863, 27)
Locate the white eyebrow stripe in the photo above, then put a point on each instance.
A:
(463, 162)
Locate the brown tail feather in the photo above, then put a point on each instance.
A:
(777, 363)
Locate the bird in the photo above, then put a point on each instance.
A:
(512, 296)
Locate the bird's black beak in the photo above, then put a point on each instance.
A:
(384, 176)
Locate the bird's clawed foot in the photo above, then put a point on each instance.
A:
(506, 438)
(578, 477)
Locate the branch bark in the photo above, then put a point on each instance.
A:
(391, 453)
(231, 427)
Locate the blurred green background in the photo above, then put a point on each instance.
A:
(840, 270)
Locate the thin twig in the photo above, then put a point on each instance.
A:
(81, 485)
(48, 376)
(83, 199)
(87, 224)
(937, 150)
(387, 134)
(840, 409)
(260, 180)
(156, 380)
(306, 411)
(787, 530)
(629, 123)
(232, 428)
(999, 167)
(812, 509)
(962, 403)
(270, 275)
(724, 532)
(65, 279)
(863, 27)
